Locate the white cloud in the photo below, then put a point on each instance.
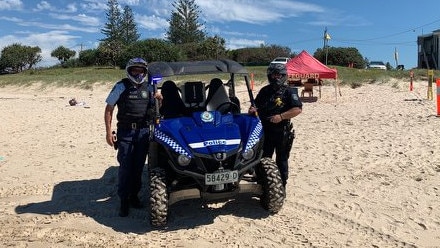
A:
(46, 6)
(43, 5)
(82, 18)
(335, 18)
(235, 43)
(71, 8)
(11, 19)
(94, 5)
(88, 20)
(220, 31)
(151, 22)
(129, 2)
(10, 4)
(254, 11)
(64, 27)
(7, 40)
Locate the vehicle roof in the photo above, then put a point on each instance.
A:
(166, 69)
(281, 59)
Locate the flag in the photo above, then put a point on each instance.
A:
(327, 36)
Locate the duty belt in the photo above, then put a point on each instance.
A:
(133, 125)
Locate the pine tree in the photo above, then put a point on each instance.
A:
(120, 31)
(112, 28)
(128, 27)
(184, 26)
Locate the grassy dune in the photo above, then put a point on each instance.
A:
(87, 77)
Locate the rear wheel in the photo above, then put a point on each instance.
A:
(158, 197)
(269, 177)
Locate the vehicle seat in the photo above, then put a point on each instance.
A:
(193, 95)
(216, 94)
(172, 103)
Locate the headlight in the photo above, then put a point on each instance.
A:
(183, 160)
(248, 154)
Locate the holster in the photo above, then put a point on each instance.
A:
(115, 140)
(289, 136)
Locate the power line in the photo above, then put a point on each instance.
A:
(359, 41)
(402, 32)
(408, 43)
(391, 35)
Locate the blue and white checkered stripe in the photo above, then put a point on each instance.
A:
(255, 136)
(170, 142)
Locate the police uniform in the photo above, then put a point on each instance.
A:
(274, 100)
(135, 104)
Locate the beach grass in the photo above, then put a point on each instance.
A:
(87, 77)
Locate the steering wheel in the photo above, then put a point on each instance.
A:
(226, 107)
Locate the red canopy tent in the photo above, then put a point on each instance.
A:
(305, 66)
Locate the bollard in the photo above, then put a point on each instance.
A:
(437, 82)
(430, 80)
(411, 76)
(252, 81)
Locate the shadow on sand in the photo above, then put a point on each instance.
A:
(96, 198)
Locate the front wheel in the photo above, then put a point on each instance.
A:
(158, 197)
(269, 177)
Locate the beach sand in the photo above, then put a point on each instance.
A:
(364, 172)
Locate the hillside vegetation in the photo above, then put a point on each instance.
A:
(87, 77)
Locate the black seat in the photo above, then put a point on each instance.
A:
(218, 99)
(193, 95)
(172, 104)
(216, 94)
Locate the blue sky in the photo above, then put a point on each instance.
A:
(376, 28)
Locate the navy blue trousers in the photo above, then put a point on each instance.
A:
(132, 153)
(273, 142)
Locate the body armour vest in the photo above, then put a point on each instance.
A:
(273, 102)
(133, 103)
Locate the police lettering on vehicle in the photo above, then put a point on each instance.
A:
(214, 142)
(220, 142)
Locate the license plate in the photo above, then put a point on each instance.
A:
(221, 177)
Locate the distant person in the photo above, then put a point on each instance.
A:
(135, 101)
(276, 104)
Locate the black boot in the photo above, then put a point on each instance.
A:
(124, 209)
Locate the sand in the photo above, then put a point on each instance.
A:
(364, 172)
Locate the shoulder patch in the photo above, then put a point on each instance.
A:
(295, 97)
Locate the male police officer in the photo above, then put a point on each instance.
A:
(134, 98)
(276, 104)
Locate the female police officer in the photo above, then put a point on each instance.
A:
(276, 104)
